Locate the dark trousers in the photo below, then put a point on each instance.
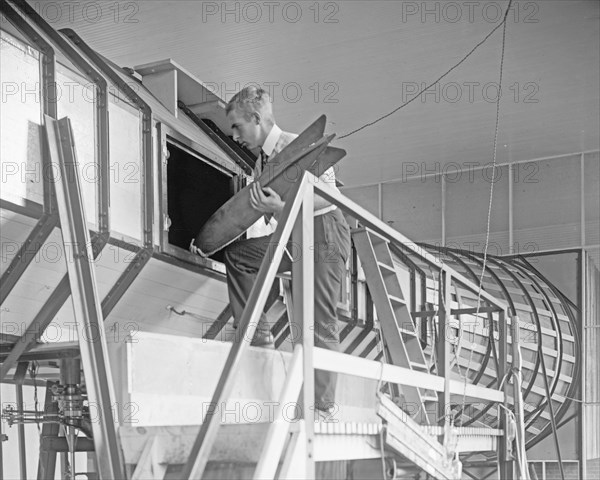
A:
(332, 247)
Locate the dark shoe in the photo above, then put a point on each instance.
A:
(264, 340)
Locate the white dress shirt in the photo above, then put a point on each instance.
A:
(260, 228)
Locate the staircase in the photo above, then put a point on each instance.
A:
(401, 339)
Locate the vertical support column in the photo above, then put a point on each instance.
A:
(511, 233)
(64, 468)
(505, 466)
(443, 210)
(443, 350)
(517, 394)
(86, 304)
(588, 317)
(19, 377)
(47, 460)
(303, 291)
(582, 192)
(2, 437)
(354, 283)
(380, 200)
(544, 470)
(70, 378)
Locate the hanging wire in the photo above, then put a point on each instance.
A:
(489, 213)
(496, 129)
(456, 65)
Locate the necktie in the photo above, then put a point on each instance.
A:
(263, 159)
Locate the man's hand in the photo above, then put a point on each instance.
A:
(265, 200)
(193, 248)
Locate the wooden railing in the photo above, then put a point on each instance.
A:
(297, 222)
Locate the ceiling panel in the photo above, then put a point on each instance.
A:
(358, 60)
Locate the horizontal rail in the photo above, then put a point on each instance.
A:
(369, 220)
(457, 311)
(361, 367)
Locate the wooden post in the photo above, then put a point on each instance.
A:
(443, 350)
(19, 378)
(303, 292)
(47, 458)
(505, 465)
(517, 396)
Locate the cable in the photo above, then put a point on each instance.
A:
(183, 313)
(383, 117)
(489, 215)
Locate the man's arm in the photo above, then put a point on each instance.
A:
(267, 200)
(329, 178)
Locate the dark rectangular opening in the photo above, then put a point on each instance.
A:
(195, 190)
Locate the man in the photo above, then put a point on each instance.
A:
(251, 117)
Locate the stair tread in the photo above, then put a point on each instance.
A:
(410, 333)
(429, 398)
(397, 299)
(387, 267)
(373, 235)
(419, 364)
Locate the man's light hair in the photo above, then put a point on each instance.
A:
(249, 100)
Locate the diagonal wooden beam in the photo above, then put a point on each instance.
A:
(110, 301)
(29, 249)
(37, 327)
(219, 323)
